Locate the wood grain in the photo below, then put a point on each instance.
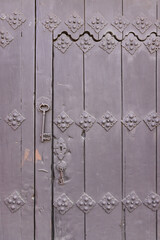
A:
(17, 88)
(43, 151)
(139, 144)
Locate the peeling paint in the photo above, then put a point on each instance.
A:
(26, 156)
(38, 156)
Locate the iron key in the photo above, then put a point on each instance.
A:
(44, 108)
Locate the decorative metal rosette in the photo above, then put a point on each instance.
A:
(63, 121)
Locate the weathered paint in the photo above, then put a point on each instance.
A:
(79, 119)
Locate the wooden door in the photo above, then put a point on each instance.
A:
(79, 120)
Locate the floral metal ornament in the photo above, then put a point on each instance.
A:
(5, 38)
(14, 201)
(152, 201)
(14, 119)
(63, 204)
(131, 121)
(142, 23)
(85, 43)
(108, 43)
(51, 22)
(152, 120)
(108, 202)
(97, 22)
(15, 19)
(85, 203)
(131, 43)
(75, 22)
(120, 23)
(132, 201)
(86, 121)
(107, 121)
(152, 43)
(63, 43)
(63, 121)
(60, 148)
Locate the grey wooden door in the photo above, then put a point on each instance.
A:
(79, 120)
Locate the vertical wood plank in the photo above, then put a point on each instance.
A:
(27, 69)
(139, 144)
(60, 229)
(17, 169)
(68, 97)
(43, 151)
(103, 149)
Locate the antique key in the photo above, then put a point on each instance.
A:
(61, 167)
(44, 107)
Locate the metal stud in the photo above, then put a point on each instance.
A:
(2, 16)
(131, 43)
(85, 203)
(51, 22)
(152, 201)
(14, 201)
(63, 204)
(5, 38)
(152, 120)
(63, 43)
(97, 22)
(108, 202)
(107, 121)
(15, 19)
(142, 23)
(14, 119)
(108, 43)
(74, 22)
(63, 121)
(131, 121)
(120, 23)
(85, 43)
(86, 121)
(132, 201)
(152, 43)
